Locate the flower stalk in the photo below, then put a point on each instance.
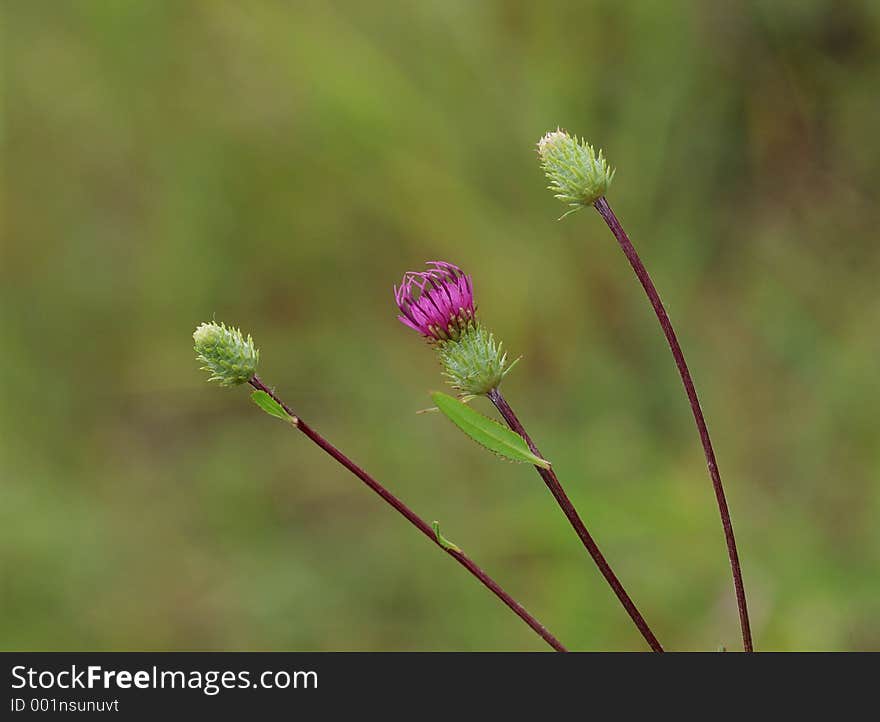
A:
(552, 482)
(430, 531)
(644, 277)
(580, 177)
(228, 355)
(475, 365)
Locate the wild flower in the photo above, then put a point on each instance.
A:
(580, 177)
(439, 304)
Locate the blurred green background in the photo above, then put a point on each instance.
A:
(278, 165)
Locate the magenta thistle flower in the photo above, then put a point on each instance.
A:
(438, 303)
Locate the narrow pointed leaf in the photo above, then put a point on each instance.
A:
(487, 432)
(443, 541)
(271, 406)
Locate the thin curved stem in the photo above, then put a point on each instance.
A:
(552, 482)
(641, 272)
(416, 521)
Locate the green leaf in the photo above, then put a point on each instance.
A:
(487, 432)
(272, 407)
(442, 540)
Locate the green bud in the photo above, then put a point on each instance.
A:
(578, 175)
(474, 363)
(229, 358)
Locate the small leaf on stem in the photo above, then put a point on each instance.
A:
(442, 540)
(272, 407)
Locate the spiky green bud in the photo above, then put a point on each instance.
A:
(474, 363)
(578, 175)
(229, 358)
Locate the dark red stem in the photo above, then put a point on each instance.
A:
(552, 482)
(416, 521)
(645, 279)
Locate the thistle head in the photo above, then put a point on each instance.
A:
(438, 302)
(578, 175)
(474, 363)
(225, 353)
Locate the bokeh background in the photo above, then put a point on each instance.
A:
(278, 165)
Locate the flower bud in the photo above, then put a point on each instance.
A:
(578, 175)
(229, 358)
(474, 363)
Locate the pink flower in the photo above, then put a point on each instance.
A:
(438, 303)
